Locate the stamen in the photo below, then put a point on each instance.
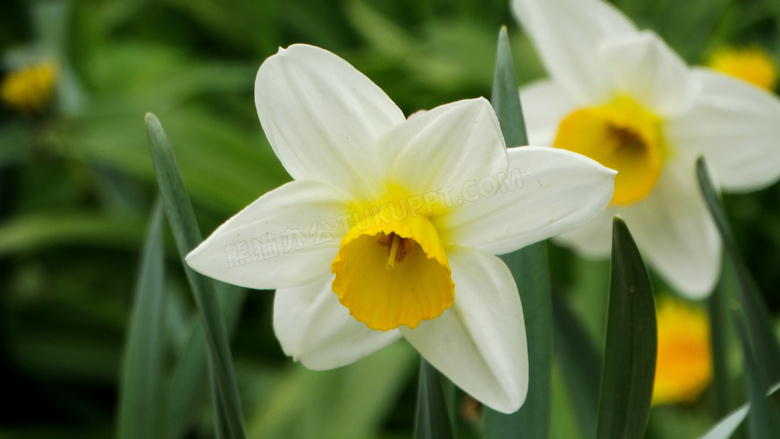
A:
(393, 250)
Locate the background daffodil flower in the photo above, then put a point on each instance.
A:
(623, 97)
(684, 362)
(390, 226)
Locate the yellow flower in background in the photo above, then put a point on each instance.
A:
(753, 65)
(391, 225)
(623, 97)
(684, 365)
(30, 88)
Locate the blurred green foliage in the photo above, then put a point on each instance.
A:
(77, 184)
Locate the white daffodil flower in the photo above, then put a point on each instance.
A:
(390, 226)
(622, 97)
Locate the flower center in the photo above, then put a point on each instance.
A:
(393, 273)
(623, 136)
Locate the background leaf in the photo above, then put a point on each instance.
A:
(36, 231)
(580, 362)
(187, 234)
(762, 334)
(191, 370)
(727, 426)
(530, 269)
(717, 307)
(141, 403)
(305, 403)
(631, 343)
(433, 420)
(764, 415)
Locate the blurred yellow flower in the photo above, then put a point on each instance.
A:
(684, 365)
(29, 89)
(750, 64)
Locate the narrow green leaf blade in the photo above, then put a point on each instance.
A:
(580, 362)
(729, 424)
(506, 97)
(39, 231)
(760, 327)
(531, 272)
(175, 199)
(717, 305)
(141, 408)
(631, 343)
(187, 235)
(433, 420)
(191, 370)
(764, 415)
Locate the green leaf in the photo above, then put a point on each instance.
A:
(760, 327)
(433, 420)
(302, 403)
(187, 236)
(506, 97)
(717, 306)
(531, 272)
(360, 395)
(764, 415)
(191, 370)
(630, 347)
(141, 408)
(728, 425)
(14, 137)
(580, 362)
(35, 232)
(773, 8)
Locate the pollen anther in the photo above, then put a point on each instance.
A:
(398, 248)
(393, 250)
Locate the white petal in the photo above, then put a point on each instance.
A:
(323, 117)
(650, 72)
(287, 237)
(547, 191)
(675, 233)
(315, 329)
(567, 34)
(736, 126)
(593, 239)
(545, 104)
(479, 343)
(435, 153)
